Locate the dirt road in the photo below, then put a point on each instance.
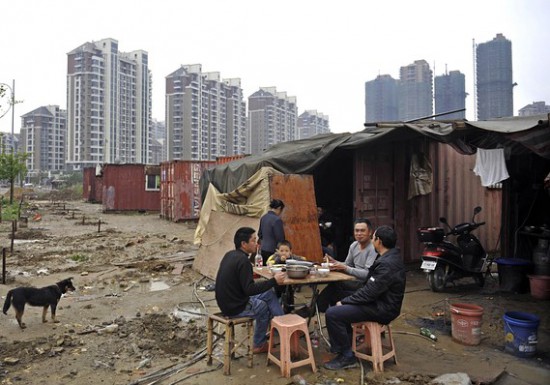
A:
(131, 316)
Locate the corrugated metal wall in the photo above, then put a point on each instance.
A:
(180, 197)
(460, 190)
(455, 192)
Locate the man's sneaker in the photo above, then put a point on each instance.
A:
(261, 349)
(341, 362)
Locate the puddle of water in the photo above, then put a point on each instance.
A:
(158, 286)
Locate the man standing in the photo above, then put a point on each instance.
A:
(360, 258)
(238, 295)
(379, 300)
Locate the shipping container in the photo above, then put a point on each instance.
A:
(180, 197)
(131, 187)
(92, 185)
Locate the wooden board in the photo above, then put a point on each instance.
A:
(300, 214)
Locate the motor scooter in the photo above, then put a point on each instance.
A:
(444, 262)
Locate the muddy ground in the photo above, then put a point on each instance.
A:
(135, 316)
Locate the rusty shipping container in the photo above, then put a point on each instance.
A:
(227, 159)
(92, 185)
(131, 187)
(180, 197)
(88, 184)
(382, 187)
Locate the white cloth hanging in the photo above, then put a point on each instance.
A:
(490, 166)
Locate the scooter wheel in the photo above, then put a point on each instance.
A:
(436, 279)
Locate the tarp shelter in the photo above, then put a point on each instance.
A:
(223, 213)
(526, 141)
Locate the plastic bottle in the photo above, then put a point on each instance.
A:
(258, 260)
(428, 333)
(315, 335)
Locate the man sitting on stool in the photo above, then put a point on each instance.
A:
(238, 295)
(379, 300)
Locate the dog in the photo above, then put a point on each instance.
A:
(48, 296)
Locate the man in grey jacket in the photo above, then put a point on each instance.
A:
(360, 258)
(378, 300)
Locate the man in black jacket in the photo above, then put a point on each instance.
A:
(238, 295)
(379, 300)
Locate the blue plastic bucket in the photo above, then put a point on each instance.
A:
(520, 333)
(512, 274)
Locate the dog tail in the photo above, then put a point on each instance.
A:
(7, 303)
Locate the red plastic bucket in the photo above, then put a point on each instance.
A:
(540, 286)
(466, 323)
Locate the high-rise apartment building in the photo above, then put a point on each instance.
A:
(272, 118)
(43, 133)
(205, 116)
(381, 99)
(494, 84)
(450, 95)
(535, 108)
(158, 147)
(311, 123)
(415, 91)
(108, 105)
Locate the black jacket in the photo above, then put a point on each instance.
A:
(235, 283)
(385, 287)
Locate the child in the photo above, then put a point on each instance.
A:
(283, 252)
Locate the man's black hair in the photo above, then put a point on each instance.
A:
(242, 235)
(363, 220)
(387, 236)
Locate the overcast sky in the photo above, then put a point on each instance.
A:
(320, 51)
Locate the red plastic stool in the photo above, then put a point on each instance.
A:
(289, 327)
(372, 348)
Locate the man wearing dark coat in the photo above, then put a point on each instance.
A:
(379, 300)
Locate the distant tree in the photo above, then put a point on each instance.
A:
(13, 166)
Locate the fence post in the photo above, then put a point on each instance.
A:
(3, 265)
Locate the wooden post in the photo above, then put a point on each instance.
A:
(84, 219)
(13, 230)
(3, 265)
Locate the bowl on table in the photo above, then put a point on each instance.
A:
(275, 269)
(297, 271)
(323, 271)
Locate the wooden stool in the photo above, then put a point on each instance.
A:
(289, 327)
(372, 332)
(230, 345)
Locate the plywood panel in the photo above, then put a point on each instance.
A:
(300, 213)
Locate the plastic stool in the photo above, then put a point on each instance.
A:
(289, 327)
(372, 332)
(230, 345)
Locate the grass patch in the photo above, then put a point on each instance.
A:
(79, 257)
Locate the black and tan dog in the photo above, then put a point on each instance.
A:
(46, 297)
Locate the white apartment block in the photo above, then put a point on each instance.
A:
(205, 116)
(43, 133)
(311, 123)
(272, 118)
(108, 105)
